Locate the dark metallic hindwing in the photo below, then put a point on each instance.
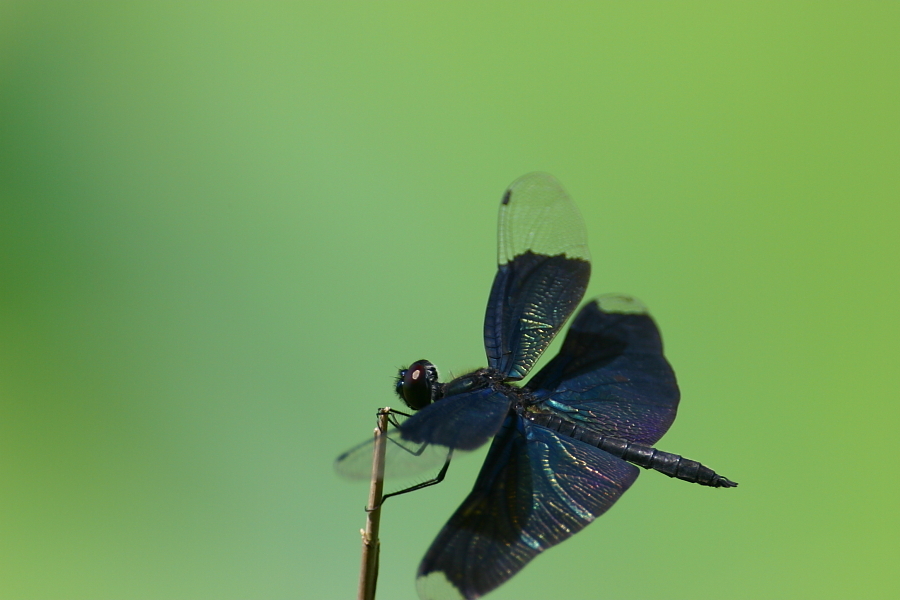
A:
(610, 375)
(535, 489)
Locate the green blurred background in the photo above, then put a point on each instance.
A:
(224, 226)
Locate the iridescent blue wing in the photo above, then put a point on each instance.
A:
(462, 421)
(611, 375)
(543, 267)
(535, 490)
(459, 422)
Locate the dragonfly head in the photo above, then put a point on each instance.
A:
(418, 385)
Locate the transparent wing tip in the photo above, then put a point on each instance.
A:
(436, 586)
(622, 304)
(536, 178)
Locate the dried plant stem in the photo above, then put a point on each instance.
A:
(368, 574)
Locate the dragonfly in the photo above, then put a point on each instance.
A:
(568, 443)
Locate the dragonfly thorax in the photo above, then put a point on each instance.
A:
(478, 379)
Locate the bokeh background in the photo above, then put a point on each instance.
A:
(223, 226)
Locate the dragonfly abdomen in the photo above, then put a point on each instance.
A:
(648, 457)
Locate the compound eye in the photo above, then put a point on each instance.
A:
(416, 385)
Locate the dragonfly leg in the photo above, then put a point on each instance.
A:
(433, 481)
(392, 415)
